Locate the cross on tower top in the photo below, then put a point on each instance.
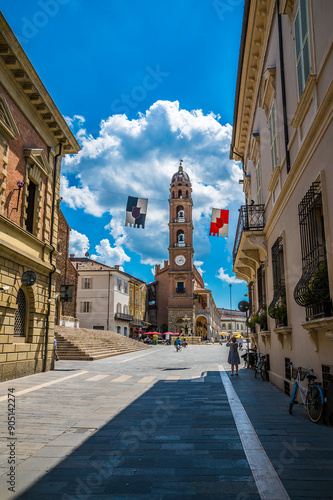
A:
(180, 165)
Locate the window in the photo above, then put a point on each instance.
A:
(86, 307)
(20, 315)
(258, 174)
(273, 138)
(181, 238)
(125, 331)
(278, 307)
(261, 287)
(125, 287)
(30, 210)
(180, 287)
(119, 284)
(180, 193)
(131, 295)
(312, 290)
(229, 326)
(137, 298)
(119, 307)
(118, 329)
(302, 45)
(86, 283)
(223, 326)
(98, 327)
(125, 309)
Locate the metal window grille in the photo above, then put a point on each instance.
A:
(312, 290)
(287, 369)
(262, 308)
(278, 307)
(19, 325)
(327, 374)
(30, 210)
(286, 387)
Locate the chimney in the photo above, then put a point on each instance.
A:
(71, 256)
(116, 267)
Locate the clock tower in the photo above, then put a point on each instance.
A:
(180, 271)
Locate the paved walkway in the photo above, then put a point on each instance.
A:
(160, 425)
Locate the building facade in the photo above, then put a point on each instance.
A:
(66, 282)
(108, 298)
(33, 139)
(283, 134)
(232, 321)
(177, 299)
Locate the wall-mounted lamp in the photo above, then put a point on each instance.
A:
(4, 288)
(241, 181)
(20, 185)
(255, 134)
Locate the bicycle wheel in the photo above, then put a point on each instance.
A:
(263, 372)
(257, 369)
(314, 405)
(293, 399)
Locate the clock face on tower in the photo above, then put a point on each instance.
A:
(180, 260)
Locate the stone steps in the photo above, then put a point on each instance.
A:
(83, 344)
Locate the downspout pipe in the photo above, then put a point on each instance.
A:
(283, 88)
(49, 300)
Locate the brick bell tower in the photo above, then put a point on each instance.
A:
(181, 276)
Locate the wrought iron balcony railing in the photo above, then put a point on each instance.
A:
(138, 322)
(123, 316)
(251, 218)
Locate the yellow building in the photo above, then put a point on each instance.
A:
(33, 139)
(137, 303)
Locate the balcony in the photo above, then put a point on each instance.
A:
(123, 317)
(251, 218)
(138, 322)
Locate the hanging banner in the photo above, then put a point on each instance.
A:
(219, 223)
(136, 211)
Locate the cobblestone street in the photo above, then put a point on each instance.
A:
(160, 425)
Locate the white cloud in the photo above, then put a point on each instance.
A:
(223, 276)
(138, 157)
(110, 255)
(198, 264)
(78, 243)
(80, 197)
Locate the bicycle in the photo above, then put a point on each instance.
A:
(312, 397)
(261, 367)
(250, 360)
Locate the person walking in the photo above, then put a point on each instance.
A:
(233, 357)
(55, 349)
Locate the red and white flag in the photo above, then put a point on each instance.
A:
(219, 222)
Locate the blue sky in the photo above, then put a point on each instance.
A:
(142, 84)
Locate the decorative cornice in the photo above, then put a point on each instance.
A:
(24, 77)
(7, 124)
(37, 156)
(319, 327)
(284, 335)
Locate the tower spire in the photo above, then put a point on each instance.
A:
(180, 165)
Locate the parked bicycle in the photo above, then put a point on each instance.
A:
(261, 368)
(312, 398)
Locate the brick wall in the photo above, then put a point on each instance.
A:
(69, 275)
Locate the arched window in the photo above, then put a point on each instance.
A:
(186, 194)
(125, 331)
(180, 193)
(125, 309)
(180, 212)
(20, 314)
(181, 238)
(118, 329)
(173, 194)
(119, 307)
